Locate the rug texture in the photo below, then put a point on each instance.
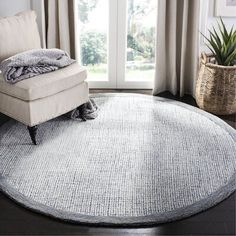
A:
(143, 160)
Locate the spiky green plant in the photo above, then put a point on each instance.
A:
(223, 44)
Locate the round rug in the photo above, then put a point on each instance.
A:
(143, 160)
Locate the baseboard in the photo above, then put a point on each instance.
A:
(3, 119)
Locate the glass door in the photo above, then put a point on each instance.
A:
(117, 42)
(137, 34)
(97, 40)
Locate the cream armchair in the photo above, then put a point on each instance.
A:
(44, 97)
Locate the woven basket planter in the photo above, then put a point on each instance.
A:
(216, 87)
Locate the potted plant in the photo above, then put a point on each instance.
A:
(216, 84)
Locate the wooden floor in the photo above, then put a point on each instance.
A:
(219, 220)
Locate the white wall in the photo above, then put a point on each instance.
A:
(208, 19)
(11, 7)
(212, 19)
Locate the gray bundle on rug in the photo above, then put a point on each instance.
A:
(87, 111)
(32, 63)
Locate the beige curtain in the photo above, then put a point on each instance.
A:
(60, 25)
(177, 46)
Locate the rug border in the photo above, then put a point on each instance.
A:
(177, 214)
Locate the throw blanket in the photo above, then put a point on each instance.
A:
(32, 63)
(87, 111)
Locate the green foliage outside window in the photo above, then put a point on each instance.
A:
(93, 46)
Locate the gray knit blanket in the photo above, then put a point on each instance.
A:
(32, 63)
(87, 111)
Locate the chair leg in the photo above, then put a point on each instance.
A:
(33, 132)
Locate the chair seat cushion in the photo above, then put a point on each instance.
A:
(46, 84)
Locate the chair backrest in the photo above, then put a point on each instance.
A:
(18, 33)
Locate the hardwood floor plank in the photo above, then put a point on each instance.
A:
(3, 119)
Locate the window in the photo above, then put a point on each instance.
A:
(117, 42)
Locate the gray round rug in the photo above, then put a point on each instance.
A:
(144, 160)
